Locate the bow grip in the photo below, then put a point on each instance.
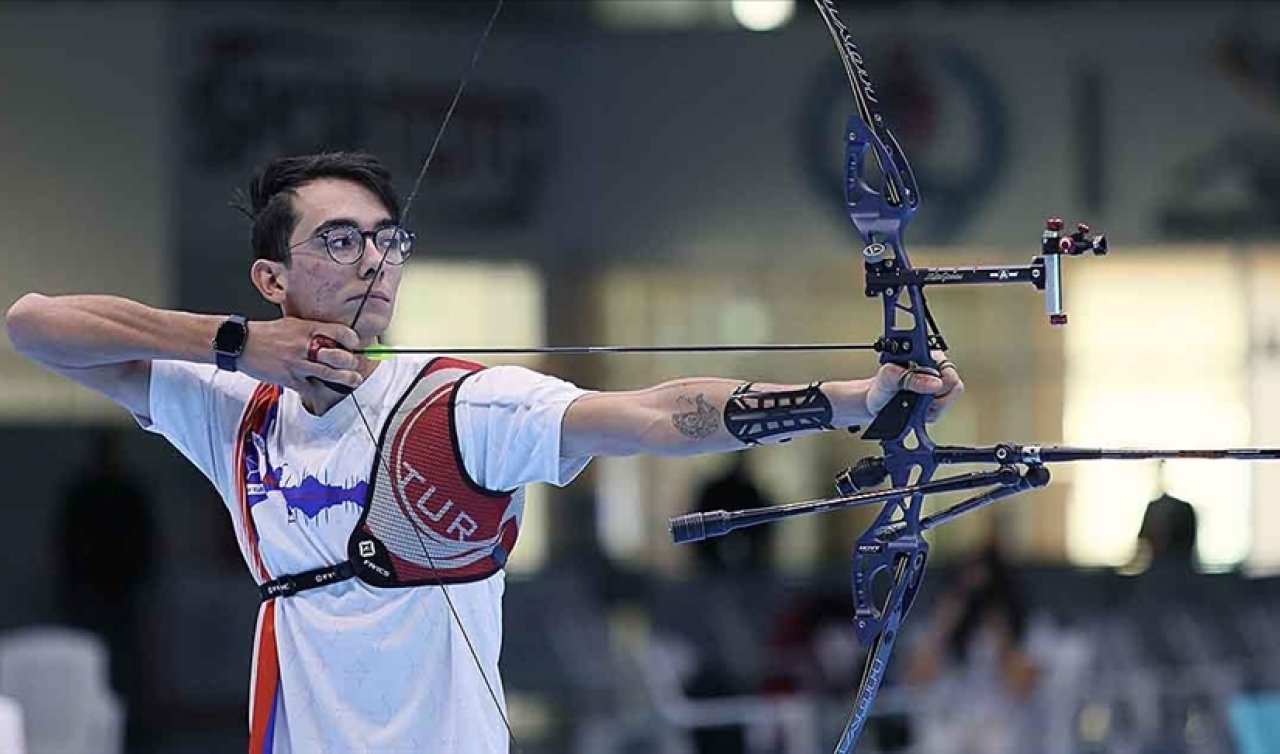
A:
(313, 350)
(892, 420)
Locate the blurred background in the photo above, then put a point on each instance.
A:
(668, 172)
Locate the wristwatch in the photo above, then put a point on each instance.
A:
(229, 341)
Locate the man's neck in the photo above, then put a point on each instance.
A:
(318, 399)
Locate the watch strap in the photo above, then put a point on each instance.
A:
(226, 359)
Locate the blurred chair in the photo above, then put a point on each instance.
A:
(785, 724)
(59, 677)
(1255, 723)
(621, 685)
(12, 740)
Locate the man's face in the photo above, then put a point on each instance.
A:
(323, 290)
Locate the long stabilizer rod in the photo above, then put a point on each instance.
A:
(1038, 454)
(694, 527)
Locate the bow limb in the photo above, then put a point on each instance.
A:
(893, 546)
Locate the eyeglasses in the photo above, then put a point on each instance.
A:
(345, 243)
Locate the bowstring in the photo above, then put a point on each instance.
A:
(435, 145)
(379, 460)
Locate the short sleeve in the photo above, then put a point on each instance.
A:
(197, 408)
(508, 422)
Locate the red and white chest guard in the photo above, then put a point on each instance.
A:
(426, 521)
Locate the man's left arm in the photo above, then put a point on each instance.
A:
(713, 415)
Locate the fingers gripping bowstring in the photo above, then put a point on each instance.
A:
(378, 459)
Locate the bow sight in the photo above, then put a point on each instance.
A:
(885, 275)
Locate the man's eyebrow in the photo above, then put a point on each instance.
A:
(347, 222)
(334, 222)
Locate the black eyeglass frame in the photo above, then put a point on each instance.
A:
(409, 239)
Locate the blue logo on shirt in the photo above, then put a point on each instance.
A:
(309, 496)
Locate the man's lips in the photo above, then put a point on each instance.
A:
(375, 296)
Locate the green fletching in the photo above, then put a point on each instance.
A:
(378, 352)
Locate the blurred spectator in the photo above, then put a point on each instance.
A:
(971, 670)
(1253, 63)
(748, 549)
(814, 651)
(1168, 532)
(1167, 539)
(105, 545)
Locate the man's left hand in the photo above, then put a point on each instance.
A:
(944, 385)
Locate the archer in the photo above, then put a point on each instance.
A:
(284, 417)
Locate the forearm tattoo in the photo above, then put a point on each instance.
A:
(699, 420)
(755, 415)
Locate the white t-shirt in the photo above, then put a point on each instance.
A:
(362, 669)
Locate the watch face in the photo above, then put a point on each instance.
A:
(230, 338)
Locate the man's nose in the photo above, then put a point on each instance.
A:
(370, 258)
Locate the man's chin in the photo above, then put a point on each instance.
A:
(371, 328)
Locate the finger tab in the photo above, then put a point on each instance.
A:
(318, 342)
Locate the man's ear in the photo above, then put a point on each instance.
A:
(271, 279)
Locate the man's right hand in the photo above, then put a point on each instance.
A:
(283, 352)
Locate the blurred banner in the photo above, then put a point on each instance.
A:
(589, 146)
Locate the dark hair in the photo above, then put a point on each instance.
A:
(269, 203)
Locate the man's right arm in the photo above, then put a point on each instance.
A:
(107, 344)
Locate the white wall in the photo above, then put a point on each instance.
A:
(84, 169)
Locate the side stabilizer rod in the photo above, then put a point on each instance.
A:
(695, 527)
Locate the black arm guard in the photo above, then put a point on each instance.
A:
(752, 416)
